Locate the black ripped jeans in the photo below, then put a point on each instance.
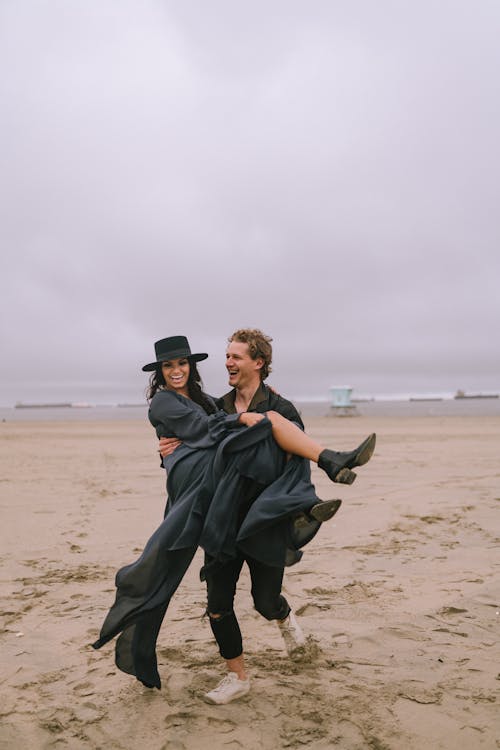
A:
(221, 588)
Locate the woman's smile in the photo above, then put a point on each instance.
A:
(176, 374)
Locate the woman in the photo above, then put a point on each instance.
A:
(202, 509)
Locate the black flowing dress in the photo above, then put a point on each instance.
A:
(203, 479)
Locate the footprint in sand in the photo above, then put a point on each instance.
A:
(451, 611)
(308, 653)
(319, 591)
(75, 548)
(84, 689)
(309, 610)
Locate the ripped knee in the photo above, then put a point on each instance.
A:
(219, 615)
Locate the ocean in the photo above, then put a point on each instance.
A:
(376, 407)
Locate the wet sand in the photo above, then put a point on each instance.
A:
(399, 595)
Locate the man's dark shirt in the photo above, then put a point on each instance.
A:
(263, 400)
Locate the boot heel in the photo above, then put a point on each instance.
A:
(301, 522)
(345, 476)
(324, 511)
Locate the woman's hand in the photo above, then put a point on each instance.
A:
(250, 418)
(168, 445)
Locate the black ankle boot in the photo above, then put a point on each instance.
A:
(338, 464)
(325, 510)
(322, 511)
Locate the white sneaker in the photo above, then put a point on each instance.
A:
(228, 689)
(293, 636)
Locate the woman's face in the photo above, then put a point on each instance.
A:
(176, 374)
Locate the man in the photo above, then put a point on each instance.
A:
(248, 363)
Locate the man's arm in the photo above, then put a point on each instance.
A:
(168, 446)
(275, 402)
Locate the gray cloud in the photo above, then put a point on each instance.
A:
(327, 172)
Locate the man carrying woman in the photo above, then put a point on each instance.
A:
(233, 489)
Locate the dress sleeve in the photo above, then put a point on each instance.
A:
(174, 416)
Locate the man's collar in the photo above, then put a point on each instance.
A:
(259, 396)
(228, 402)
(229, 398)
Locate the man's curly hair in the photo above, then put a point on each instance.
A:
(259, 346)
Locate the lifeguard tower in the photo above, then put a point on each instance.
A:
(341, 405)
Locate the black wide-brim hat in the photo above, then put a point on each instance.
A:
(173, 347)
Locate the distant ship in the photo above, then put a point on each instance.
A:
(425, 398)
(20, 405)
(462, 394)
(58, 405)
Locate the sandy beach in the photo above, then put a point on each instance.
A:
(398, 594)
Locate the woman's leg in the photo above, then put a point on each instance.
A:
(291, 438)
(336, 464)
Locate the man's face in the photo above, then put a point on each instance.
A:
(242, 369)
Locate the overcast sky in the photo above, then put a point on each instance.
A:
(328, 171)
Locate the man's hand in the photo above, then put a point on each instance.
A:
(250, 418)
(168, 445)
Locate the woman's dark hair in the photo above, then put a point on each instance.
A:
(157, 381)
